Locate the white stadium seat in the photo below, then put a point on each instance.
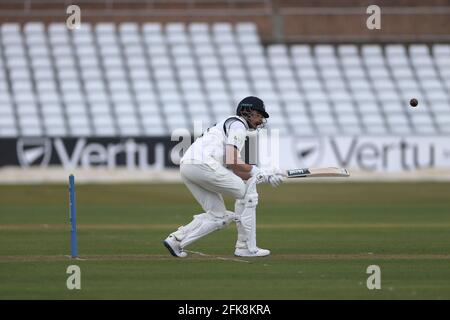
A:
(114, 79)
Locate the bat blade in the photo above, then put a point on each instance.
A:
(317, 172)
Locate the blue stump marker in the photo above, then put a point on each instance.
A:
(73, 218)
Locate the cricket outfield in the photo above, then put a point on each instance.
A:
(322, 237)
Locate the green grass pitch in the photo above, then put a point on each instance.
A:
(322, 237)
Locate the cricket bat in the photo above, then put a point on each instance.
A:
(317, 172)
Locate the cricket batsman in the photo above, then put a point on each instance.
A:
(212, 167)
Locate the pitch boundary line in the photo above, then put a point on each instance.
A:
(216, 257)
(198, 256)
(14, 227)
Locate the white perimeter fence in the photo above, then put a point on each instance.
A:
(59, 175)
(152, 160)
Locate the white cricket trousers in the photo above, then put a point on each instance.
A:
(208, 185)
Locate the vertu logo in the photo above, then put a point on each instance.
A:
(34, 151)
(308, 151)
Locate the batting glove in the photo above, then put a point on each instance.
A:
(276, 177)
(276, 180)
(261, 174)
(273, 176)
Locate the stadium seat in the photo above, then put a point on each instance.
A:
(150, 78)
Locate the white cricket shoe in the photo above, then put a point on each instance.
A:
(173, 245)
(244, 252)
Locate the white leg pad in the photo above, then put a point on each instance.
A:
(239, 207)
(202, 225)
(248, 221)
(246, 212)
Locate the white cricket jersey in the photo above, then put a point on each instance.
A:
(209, 148)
